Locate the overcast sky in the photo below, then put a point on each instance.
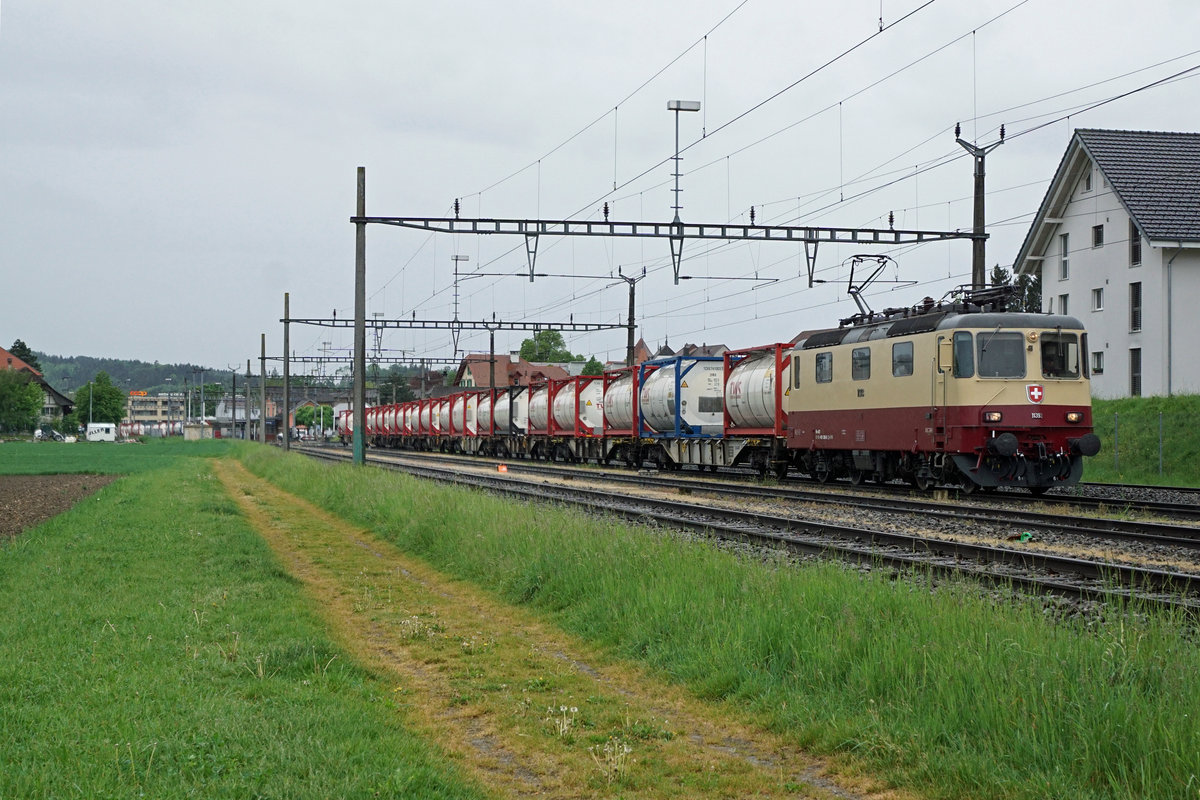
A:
(169, 170)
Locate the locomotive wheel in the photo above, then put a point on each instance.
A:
(1038, 491)
(968, 486)
(922, 483)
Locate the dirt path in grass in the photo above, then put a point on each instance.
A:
(521, 706)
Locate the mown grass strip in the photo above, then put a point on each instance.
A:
(151, 646)
(529, 710)
(951, 692)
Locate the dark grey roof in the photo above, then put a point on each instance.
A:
(1155, 174)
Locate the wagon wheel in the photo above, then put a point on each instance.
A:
(856, 476)
(922, 483)
(822, 475)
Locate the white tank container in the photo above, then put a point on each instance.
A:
(750, 391)
(443, 417)
(539, 408)
(470, 425)
(618, 403)
(426, 419)
(458, 409)
(483, 413)
(700, 403)
(389, 421)
(584, 403)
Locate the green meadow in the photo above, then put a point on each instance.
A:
(152, 647)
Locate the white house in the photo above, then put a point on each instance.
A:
(1117, 240)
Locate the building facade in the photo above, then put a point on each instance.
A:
(1117, 242)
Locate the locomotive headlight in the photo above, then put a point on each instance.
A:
(1032, 336)
(1075, 416)
(992, 416)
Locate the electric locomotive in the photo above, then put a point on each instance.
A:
(962, 394)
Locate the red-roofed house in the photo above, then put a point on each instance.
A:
(54, 402)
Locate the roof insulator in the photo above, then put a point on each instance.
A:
(957, 130)
(1002, 133)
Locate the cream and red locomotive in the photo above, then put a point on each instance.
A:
(962, 394)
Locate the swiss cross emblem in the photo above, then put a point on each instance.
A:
(1034, 392)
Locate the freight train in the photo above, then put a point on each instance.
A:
(960, 393)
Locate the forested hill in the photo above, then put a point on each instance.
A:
(68, 373)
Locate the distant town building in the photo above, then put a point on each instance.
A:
(161, 407)
(1117, 242)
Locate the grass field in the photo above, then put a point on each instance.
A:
(152, 647)
(951, 692)
(159, 649)
(1139, 435)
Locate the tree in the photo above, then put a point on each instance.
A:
(1027, 293)
(22, 351)
(593, 367)
(308, 415)
(100, 401)
(547, 346)
(20, 400)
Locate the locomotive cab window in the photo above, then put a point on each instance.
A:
(964, 355)
(1001, 354)
(860, 364)
(824, 367)
(902, 359)
(1060, 356)
(796, 370)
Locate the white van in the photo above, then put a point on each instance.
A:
(101, 432)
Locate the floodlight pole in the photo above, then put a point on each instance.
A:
(676, 224)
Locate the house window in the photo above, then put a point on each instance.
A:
(902, 359)
(1064, 257)
(1135, 307)
(824, 367)
(1135, 246)
(1097, 236)
(1135, 372)
(1098, 362)
(1087, 180)
(860, 364)
(1062, 304)
(1097, 299)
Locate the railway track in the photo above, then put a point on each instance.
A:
(1030, 570)
(1113, 521)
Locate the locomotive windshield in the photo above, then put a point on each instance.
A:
(1001, 354)
(1060, 356)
